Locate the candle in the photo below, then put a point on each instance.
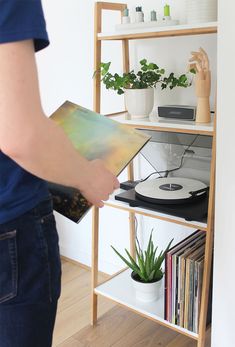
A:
(139, 15)
(126, 12)
(125, 16)
(167, 10)
(153, 16)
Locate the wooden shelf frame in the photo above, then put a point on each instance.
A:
(98, 38)
(154, 214)
(156, 124)
(110, 290)
(160, 32)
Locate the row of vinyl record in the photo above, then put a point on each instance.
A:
(184, 266)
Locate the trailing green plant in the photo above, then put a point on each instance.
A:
(148, 265)
(149, 75)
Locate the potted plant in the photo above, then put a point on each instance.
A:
(139, 87)
(147, 272)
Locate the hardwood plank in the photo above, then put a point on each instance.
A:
(180, 341)
(71, 343)
(110, 328)
(76, 317)
(146, 334)
(118, 327)
(70, 271)
(74, 290)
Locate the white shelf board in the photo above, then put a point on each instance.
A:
(120, 290)
(171, 124)
(176, 28)
(149, 25)
(159, 215)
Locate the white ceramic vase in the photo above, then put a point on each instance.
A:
(147, 292)
(139, 102)
(201, 11)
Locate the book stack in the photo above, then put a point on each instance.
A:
(184, 265)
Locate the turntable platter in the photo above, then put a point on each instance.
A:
(170, 190)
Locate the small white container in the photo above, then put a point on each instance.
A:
(147, 292)
(125, 17)
(139, 16)
(139, 102)
(126, 20)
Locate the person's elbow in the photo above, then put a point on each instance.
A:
(19, 147)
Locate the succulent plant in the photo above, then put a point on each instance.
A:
(148, 265)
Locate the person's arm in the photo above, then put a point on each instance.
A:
(35, 142)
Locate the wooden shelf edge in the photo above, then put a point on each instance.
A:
(148, 213)
(158, 34)
(156, 320)
(174, 125)
(174, 130)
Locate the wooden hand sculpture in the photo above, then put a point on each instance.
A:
(200, 63)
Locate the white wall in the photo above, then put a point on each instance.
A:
(65, 71)
(224, 279)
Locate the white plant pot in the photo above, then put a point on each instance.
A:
(147, 292)
(201, 11)
(139, 102)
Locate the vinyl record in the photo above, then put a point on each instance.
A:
(174, 190)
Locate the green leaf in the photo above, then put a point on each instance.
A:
(133, 262)
(143, 62)
(151, 276)
(193, 71)
(158, 275)
(123, 259)
(149, 244)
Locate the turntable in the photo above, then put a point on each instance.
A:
(181, 197)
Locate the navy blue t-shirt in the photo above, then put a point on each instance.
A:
(19, 190)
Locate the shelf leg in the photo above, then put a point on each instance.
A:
(205, 290)
(208, 251)
(126, 56)
(130, 171)
(126, 68)
(97, 56)
(94, 272)
(132, 234)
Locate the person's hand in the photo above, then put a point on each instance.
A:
(97, 183)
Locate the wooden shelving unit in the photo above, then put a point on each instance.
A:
(158, 124)
(150, 33)
(118, 287)
(154, 214)
(120, 290)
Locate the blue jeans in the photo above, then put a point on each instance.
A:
(30, 277)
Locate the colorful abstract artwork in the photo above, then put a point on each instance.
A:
(95, 137)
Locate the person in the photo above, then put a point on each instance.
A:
(33, 150)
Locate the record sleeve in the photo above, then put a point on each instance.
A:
(168, 268)
(188, 280)
(196, 285)
(95, 137)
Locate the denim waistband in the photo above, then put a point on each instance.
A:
(43, 208)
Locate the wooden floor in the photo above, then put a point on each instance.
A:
(117, 327)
